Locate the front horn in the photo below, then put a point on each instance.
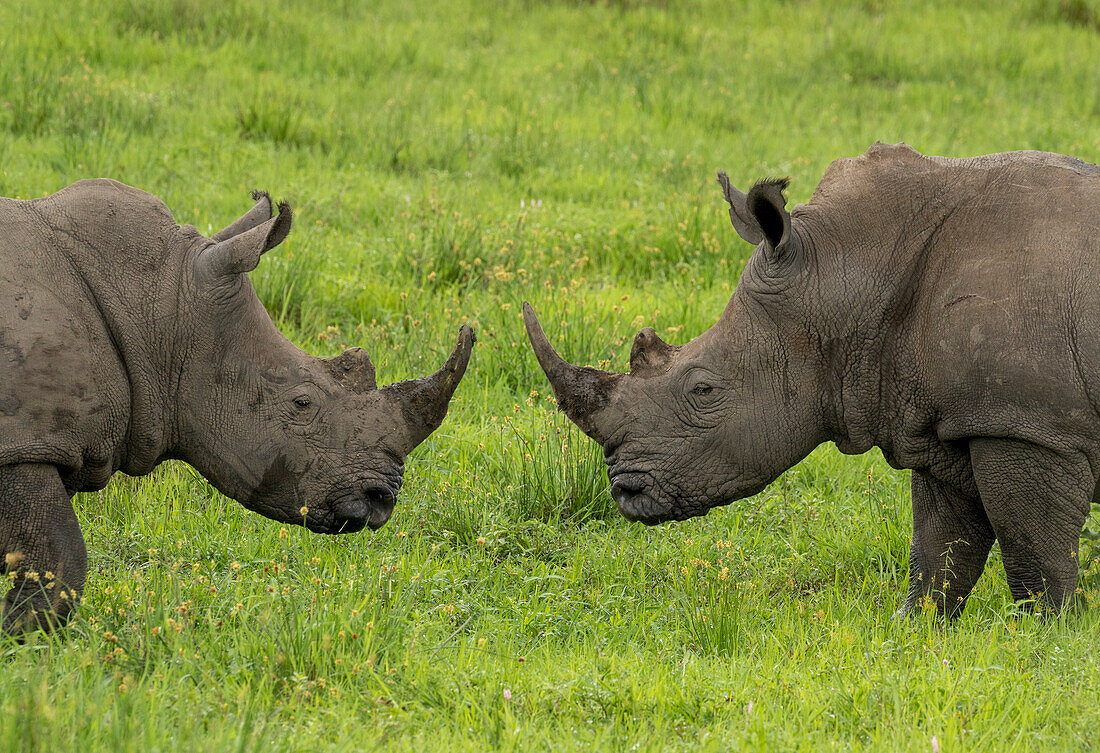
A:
(424, 401)
(581, 391)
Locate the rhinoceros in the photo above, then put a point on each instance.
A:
(944, 310)
(126, 340)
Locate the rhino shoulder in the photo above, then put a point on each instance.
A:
(865, 171)
(102, 205)
(105, 189)
(885, 164)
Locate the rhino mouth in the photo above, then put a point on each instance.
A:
(638, 499)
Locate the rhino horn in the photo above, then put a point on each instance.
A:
(260, 212)
(424, 401)
(241, 252)
(582, 392)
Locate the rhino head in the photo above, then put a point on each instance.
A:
(296, 438)
(699, 425)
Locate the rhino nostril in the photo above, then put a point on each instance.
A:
(379, 495)
(637, 497)
(625, 489)
(610, 449)
(379, 500)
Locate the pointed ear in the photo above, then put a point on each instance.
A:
(743, 222)
(261, 212)
(241, 253)
(768, 207)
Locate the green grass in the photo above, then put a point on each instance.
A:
(446, 163)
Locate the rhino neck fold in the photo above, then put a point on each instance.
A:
(147, 432)
(849, 398)
(783, 367)
(867, 321)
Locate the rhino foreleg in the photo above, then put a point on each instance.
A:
(42, 548)
(1037, 500)
(951, 541)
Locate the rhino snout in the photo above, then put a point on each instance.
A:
(371, 506)
(631, 492)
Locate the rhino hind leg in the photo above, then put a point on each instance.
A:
(42, 549)
(1037, 500)
(951, 541)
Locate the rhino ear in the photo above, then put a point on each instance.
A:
(743, 222)
(241, 252)
(261, 212)
(768, 207)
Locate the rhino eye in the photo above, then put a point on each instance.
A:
(701, 389)
(302, 402)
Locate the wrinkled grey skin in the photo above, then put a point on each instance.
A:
(944, 310)
(126, 340)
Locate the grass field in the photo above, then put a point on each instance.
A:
(445, 163)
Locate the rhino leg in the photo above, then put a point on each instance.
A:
(951, 541)
(1037, 500)
(42, 548)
